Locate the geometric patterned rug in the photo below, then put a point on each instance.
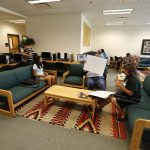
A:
(72, 115)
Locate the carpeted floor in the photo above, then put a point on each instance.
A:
(23, 134)
(73, 115)
(20, 133)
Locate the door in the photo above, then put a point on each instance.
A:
(13, 41)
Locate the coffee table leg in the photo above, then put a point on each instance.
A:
(93, 112)
(45, 99)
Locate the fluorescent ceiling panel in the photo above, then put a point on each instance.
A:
(113, 23)
(17, 21)
(42, 1)
(129, 1)
(117, 11)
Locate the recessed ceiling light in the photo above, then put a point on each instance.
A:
(117, 11)
(41, 1)
(113, 23)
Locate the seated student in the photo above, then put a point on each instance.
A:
(129, 93)
(40, 74)
(127, 58)
(95, 79)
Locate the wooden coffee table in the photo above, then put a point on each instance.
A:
(70, 94)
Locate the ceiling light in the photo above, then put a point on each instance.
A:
(113, 23)
(41, 1)
(118, 11)
(17, 21)
(129, 1)
(148, 23)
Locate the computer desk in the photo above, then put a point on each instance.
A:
(13, 64)
(62, 61)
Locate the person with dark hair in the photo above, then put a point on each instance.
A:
(129, 91)
(102, 53)
(127, 58)
(28, 54)
(28, 51)
(40, 74)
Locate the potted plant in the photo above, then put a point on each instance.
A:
(27, 42)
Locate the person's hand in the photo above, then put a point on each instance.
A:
(119, 84)
(46, 74)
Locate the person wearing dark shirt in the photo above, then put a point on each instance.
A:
(129, 91)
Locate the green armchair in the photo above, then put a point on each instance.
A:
(75, 76)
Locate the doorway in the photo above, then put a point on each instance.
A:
(13, 41)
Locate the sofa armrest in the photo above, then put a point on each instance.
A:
(83, 82)
(8, 94)
(139, 126)
(65, 74)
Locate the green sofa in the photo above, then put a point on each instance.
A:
(13, 93)
(139, 114)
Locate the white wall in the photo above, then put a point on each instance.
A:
(55, 33)
(9, 28)
(118, 40)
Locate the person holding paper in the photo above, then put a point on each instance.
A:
(95, 79)
(130, 91)
(102, 53)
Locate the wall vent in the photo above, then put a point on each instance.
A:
(43, 6)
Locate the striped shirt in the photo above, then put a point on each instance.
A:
(29, 53)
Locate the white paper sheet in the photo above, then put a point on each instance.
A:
(101, 94)
(95, 64)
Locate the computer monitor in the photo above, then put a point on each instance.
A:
(46, 55)
(18, 57)
(81, 57)
(2, 59)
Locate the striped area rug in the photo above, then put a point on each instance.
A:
(72, 115)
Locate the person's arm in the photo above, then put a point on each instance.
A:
(120, 85)
(46, 74)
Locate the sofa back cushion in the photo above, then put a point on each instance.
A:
(23, 73)
(76, 70)
(7, 79)
(146, 84)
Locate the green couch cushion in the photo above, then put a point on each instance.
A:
(145, 102)
(7, 80)
(23, 73)
(76, 70)
(146, 84)
(135, 113)
(40, 85)
(20, 92)
(74, 80)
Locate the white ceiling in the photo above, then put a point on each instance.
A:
(92, 9)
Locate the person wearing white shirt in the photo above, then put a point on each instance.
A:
(39, 72)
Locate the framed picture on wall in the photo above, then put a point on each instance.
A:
(145, 47)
